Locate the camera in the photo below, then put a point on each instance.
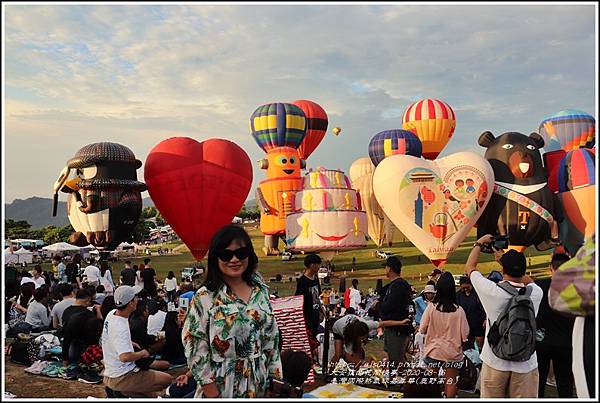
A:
(499, 242)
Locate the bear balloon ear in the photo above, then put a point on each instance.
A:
(537, 139)
(486, 138)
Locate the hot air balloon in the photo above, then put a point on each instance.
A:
(337, 130)
(279, 129)
(433, 121)
(436, 228)
(575, 181)
(316, 126)
(105, 200)
(522, 207)
(393, 142)
(568, 130)
(364, 184)
(198, 187)
(329, 215)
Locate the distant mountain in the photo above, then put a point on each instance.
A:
(37, 211)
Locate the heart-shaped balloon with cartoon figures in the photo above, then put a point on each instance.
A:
(434, 203)
(198, 187)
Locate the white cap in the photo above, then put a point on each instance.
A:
(26, 280)
(429, 288)
(125, 293)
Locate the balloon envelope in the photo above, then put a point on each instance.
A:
(428, 202)
(316, 126)
(393, 142)
(433, 121)
(198, 187)
(278, 125)
(360, 167)
(568, 130)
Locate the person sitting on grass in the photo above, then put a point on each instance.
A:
(138, 325)
(38, 314)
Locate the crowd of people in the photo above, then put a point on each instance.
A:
(126, 332)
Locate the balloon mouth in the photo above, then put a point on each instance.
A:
(289, 171)
(521, 165)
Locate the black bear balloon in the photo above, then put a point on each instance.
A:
(522, 206)
(104, 202)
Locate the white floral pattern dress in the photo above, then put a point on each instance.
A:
(232, 343)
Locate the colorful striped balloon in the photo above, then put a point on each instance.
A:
(316, 126)
(392, 142)
(568, 130)
(577, 169)
(433, 121)
(278, 125)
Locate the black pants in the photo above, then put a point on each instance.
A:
(562, 360)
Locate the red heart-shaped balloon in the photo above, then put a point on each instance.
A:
(198, 187)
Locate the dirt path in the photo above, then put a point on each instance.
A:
(24, 385)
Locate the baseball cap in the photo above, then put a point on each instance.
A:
(429, 288)
(26, 280)
(513, 262)
(435, 272)
(394, 263)
(125, 293)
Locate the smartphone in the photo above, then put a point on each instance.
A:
(500, 242)
(184, 303)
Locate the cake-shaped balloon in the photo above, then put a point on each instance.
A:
(328, 214)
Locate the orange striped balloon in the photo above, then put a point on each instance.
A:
(433, 122)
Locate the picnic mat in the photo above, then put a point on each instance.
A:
(348, 390)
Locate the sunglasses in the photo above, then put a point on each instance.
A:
(226, 255)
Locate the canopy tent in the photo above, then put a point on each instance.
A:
(61, 247)
(20, 256)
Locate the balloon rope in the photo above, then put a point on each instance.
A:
(524, 201)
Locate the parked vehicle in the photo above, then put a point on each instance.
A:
(384, 254)
(189, 274)
(323, 272)
(286, 255)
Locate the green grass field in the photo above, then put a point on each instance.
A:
(416, 266)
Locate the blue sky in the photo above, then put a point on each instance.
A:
(139, 74)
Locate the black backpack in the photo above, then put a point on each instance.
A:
(512, 336)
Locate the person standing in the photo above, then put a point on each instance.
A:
(354, 296)
(500, 377)
(467, 298)
(171, 286)
(397, 305)
(106, 279)
(128, 274)
(120, 371)
(230, 323)
(308, 286)
(149, 278)
(421, 303)
(445, 327)
(556, 333)
(59, 269)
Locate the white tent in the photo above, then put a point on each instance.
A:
(20, 256)
(61, 247)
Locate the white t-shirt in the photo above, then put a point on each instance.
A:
(354, 298)
(92, 274)
(40, 281)
(494, 299)
(139, 281)
(171, 284)
(116, 340)
(340, 324)
(59, 308)
(107, 281)
(156, 322)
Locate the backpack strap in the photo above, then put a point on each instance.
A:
(508, 288)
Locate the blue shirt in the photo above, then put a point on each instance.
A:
(420, 306)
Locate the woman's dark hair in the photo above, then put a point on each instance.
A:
(27, 290)
(141, 307)
(135, 267)
(40, 293)
(107, 305)
(445, 296)
(353, 333)
(350, 311)
(221, 240)
(100, 289)
(170, 275)
(38, 268)
(77, 258)
(295, 367)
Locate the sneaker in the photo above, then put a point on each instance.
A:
(72, 373)
(34, 367)
(39, 368)
(89, 377)
(551, 382)
(51, 371)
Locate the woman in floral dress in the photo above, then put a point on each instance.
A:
(230, 335)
